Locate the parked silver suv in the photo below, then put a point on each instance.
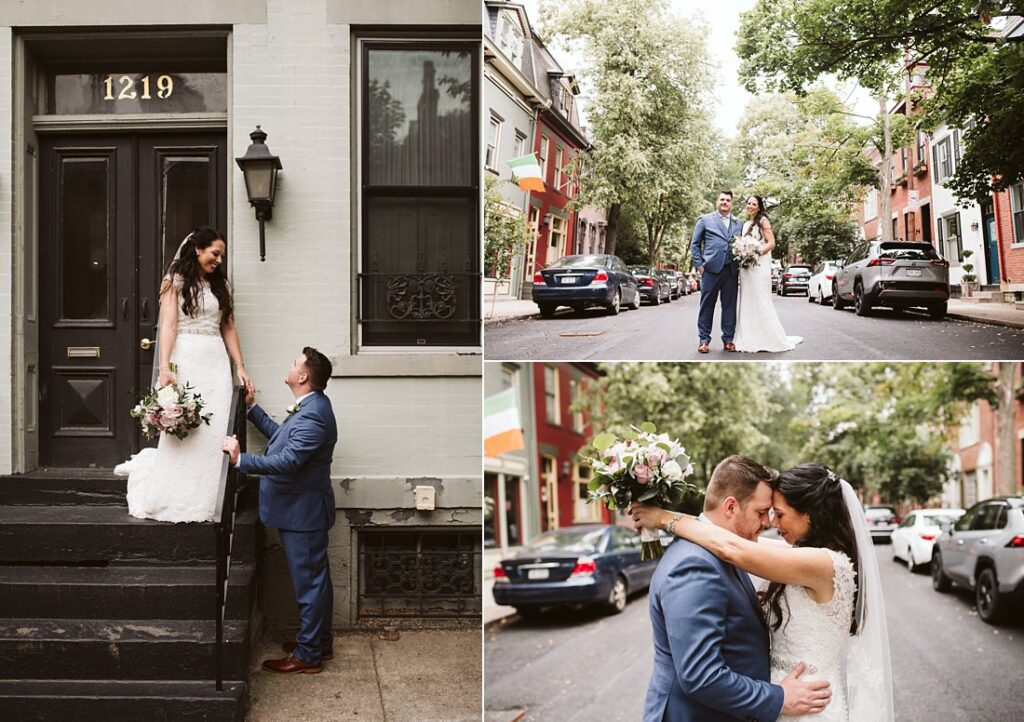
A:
(897, 274)
(984, 551)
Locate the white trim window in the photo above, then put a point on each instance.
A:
(493, 141)
(560, 170)
(1017, 211)
(575, 394)
(942, 159)
(552, 406)
(510, 38)
(545, 144)
(951, 239)
(970, 427)
(519, 148)
(557, 235)
(871, 205)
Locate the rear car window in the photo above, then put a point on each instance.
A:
(580, 541)
(907, 251)
(580, 262)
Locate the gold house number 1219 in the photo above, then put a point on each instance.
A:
(127, 87)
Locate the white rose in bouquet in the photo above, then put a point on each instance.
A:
(167, 396)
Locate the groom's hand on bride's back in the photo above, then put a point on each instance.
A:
(804, 697)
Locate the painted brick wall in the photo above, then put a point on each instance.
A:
(6, 257)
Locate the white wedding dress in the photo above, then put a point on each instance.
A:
(818, 635)
(757, 324)
(178, 480)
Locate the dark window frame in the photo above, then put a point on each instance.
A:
(465, 332)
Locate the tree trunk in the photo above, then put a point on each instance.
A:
(1006, 431)
(612, 231)
(885, 174)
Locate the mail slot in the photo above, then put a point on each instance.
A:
(83, 351)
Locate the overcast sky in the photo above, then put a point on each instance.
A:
(722, 20)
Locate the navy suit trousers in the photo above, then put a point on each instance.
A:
(726, 284)
(306, 552)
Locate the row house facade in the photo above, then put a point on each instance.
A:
(532, 108)
(924, 209)
(977, 451)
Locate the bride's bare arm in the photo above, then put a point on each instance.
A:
(768, 235)
(168, 330)
(805, 567)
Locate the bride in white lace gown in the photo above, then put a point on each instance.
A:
(757, 324)
(178, 480)
(823, 600)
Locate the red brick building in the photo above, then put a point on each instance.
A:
(560, 434)
(978, 450)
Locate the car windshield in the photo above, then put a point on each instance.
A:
(907, 251)
(583, 540)
(581, 262)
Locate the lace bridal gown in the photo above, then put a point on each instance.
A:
(757, 325)
(178, 480)
(818, 635)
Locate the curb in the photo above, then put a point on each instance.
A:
(987, 321)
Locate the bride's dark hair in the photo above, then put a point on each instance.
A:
(760, 210)
(814, 490)
(187, 266)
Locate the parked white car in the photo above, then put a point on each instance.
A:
(912, 541)
(819, 288)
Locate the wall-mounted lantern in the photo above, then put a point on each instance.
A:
(260, 167)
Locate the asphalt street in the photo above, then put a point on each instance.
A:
(583, 665)
(669, 333)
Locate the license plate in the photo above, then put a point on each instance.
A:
(913, 271)
(568, 280)
(537, 573)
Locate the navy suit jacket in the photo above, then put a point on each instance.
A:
(295, 469)
(711, 649)
(711, 246)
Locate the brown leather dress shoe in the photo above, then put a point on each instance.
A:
(730, 346)
(327, 656)
(704, 348)
(291, 665)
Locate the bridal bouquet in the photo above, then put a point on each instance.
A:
(641, 466)
(174, 410)
(746, 250)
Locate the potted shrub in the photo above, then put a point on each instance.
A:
(968, 281)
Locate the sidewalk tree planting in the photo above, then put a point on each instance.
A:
(648, 80)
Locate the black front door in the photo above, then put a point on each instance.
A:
(113, 209)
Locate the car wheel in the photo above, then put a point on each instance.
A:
(821, 296)
(546, 310)
(656, 300)
(912, 565)
(837, 303)
(940, 582)
(636, 301)
(616, 304)
(861, 306)
(810, 298)
(937, 310)
(991, 604)
(617, 596)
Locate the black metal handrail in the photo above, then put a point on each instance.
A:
(231, 483)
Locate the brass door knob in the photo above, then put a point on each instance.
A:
(145, 344)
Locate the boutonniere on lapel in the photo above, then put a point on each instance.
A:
(292, 410)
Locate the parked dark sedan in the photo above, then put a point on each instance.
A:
(582, 281)
(576, 565)
(654, 284)
(794, 278)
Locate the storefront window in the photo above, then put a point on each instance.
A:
(420, 275)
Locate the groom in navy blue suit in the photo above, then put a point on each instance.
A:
(711, 250)
(297, 499)
(711, 643)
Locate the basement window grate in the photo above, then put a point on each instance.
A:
(424, 574)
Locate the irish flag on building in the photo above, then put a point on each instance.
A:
(526, 170)
(502, 430)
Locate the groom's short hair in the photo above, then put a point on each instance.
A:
(735, 476)
(725, 192)
(318, 367)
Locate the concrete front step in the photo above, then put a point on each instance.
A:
(104, 533)
(122, 592)
(54, 487)
(149, 700)
(137, 649)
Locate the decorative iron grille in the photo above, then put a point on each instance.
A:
(428, 574)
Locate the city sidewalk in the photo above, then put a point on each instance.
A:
(420, 675)
(996, 314)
